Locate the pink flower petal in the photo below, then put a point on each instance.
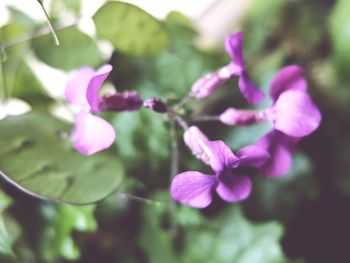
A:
(94, 86)
(234, 47)
(296, 114)
(288, 78)
(234, 188)
(77, 85)
(193, 188)
(221, 155)
(252, 156)
(281, 148)
(92, 134)
(249, 90)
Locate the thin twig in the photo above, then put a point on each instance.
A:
(26, 38)
(206, 118)
(54, 35)
(184, 101)
(138, 199)
(174, 166)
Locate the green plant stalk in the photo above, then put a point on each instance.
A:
(54, 35)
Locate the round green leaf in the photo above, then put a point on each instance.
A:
(130, 29)
(35, 157)
(76, 49)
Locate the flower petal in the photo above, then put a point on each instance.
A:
(197, 142)
(193, 188)
(288, 78)
(296, 114)
(92, 134)
(77, 85)
(252, 156)
(249, 90)
(234, 188)
(206, 85)
(94, 86)
(281, 148)
(221, 155)
(233, 46)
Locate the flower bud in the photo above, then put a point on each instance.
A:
(121, 101)
(156, 105)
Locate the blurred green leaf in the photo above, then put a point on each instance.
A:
(180, 28)
(154, 239)
(262, 14)
(35, 158)
(340, 35)
(145, 142)
(76, 49)
(231, 238)
(130, 29)
(62, 220)
(27, 87)
(280, 197)
(241, 136)
(6, 239)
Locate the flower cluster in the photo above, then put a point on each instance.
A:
(292, 114)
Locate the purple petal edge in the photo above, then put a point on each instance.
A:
(95, 85)
(249, 90)
(193, 188)
(288, 78)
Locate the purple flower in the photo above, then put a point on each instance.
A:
(292, 114)
(196, 189)
(91, 133)
(212, 81)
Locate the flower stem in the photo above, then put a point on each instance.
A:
(174, 166)
(184, 101)
(54, 35)
(206, 118)
(124, 196)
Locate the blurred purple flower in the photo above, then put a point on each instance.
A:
(196, 189)
(91, 133)
(292, 114)
(212, 81)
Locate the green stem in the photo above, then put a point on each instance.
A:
(54, 35)
(206, 118)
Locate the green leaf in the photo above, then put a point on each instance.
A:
(340, 35)
(155, 239)
(226, 237)
(130, 29)
(145, 142)
(62, 220)
(76, 49)
(231, 238)
(263, 14)
(9, 228)
(5, 238)
(36, 159)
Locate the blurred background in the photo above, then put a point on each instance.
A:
(300, 217)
